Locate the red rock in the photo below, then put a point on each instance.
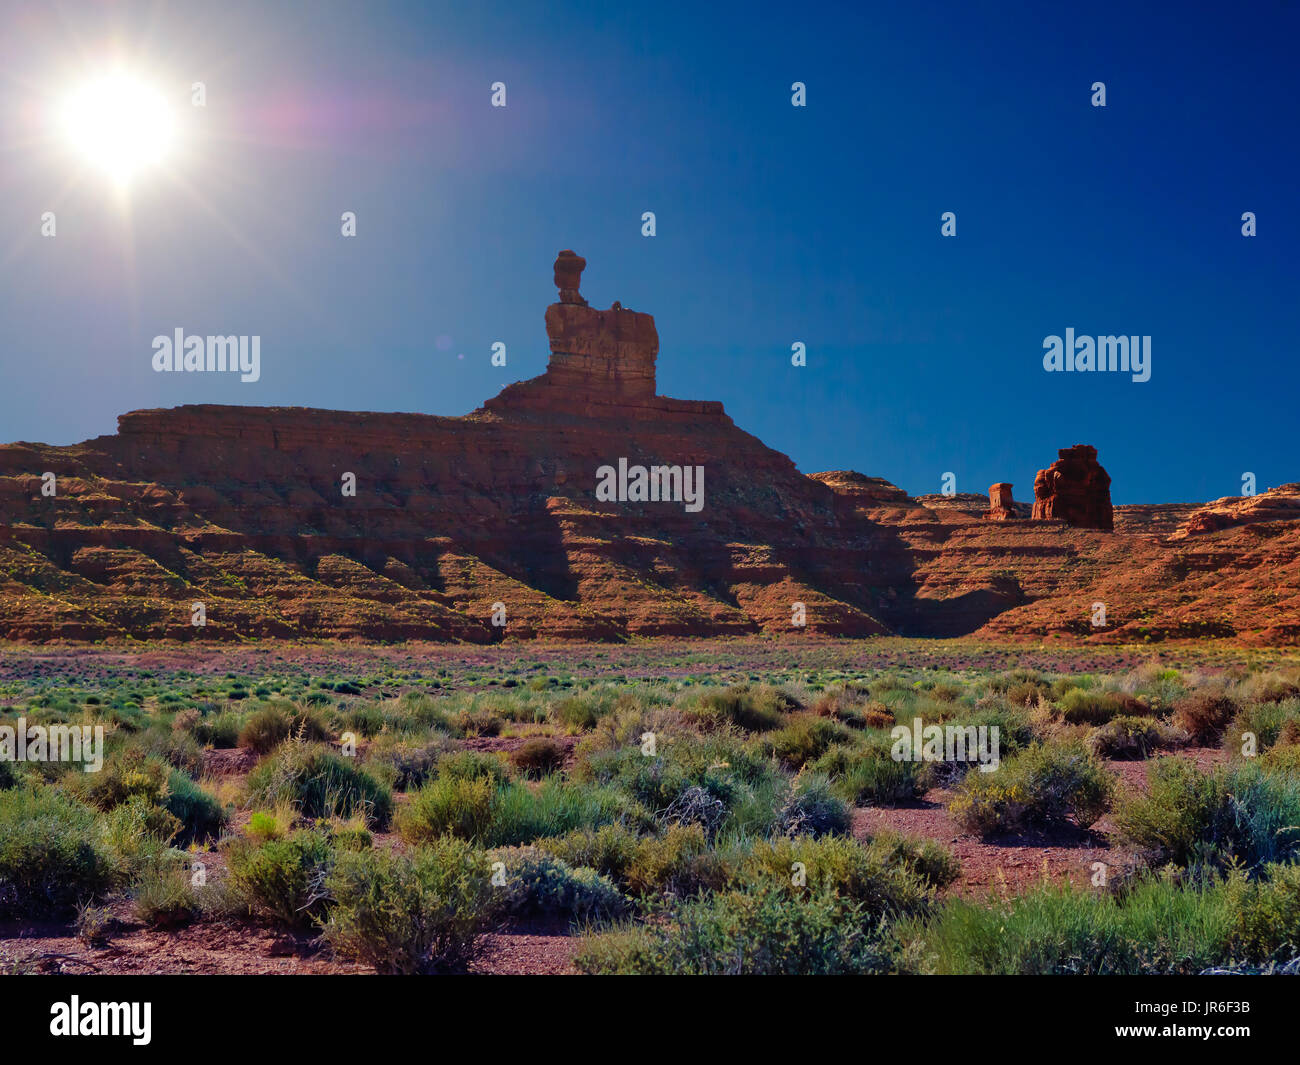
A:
(1001, 506)
(1074, 489)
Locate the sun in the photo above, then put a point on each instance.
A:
(119, 124)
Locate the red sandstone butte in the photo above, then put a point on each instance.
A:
(1074, 489)
(240, 508)
(1001, 506)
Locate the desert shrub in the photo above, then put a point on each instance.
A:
(407, 914)
(811, 809)
(218, 730)
(754, 708)
(1204, 714)
(405, 765)
(695, 805)
(95, 924)
(509, 814)
(450, 805)
(679, 862)
(836, 866)
(366, 718)
(8, 775)
(537, 757)
(1025, 693)
(762, 931)
(1269, 688)
(475, 722)
(1266, 914)
(553, 809)
(473, 765)
(1158, 926)
(174, 746)
(1207, 820)
(806, 738)
(282, 878)
(320, 783)
(1045, 786)
(264, 826)
(869, 775)
(136, 832)
(1283, 758)
(1096, 707)
(52, 856)
(579, 712)
(127, 773)
(928, 859)
(201, 816)
(851, 706)
(540, 884)
(162, 895)
(264, 729)
(946, 691)
(609, 849)
(1131, 737)
(1267, 723)
(745, 783)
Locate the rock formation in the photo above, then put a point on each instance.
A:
(1074, 489)
(240, 508)
(1001, 506)
(602, 363)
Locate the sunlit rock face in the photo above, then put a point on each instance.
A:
(1074, 489)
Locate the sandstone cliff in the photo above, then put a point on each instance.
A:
(243, 510)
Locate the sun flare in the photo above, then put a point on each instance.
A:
(119, 124)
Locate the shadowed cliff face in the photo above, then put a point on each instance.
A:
(244, 509)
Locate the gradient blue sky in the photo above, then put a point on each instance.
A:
(775, 224)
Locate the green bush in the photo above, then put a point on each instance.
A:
(218, 730)
(1045, 786)
(1207, 820)
(163, 896)
(539, 884)
(321, 784)
(836, 866)
(763, 931)
(264, 730)
(1131, 738)
(679, 862)
(473, 765)
(806, 738)
(201, 816)
(754, 708)
(268, 727)
(609, 849)
(450, 805)
(928, 859)
(282, 878)
(52, 856)
(422, 913)
(1157, 927)
(1095, 707)
(127, 773)
(812, 810)
(868, 775)
(1266, 914)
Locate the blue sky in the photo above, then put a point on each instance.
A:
(775, 224)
